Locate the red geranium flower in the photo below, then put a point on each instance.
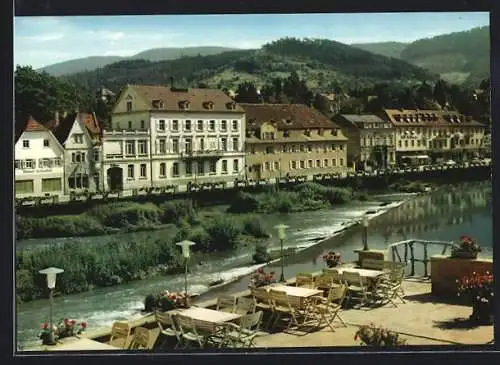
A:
(84, 324)
(260, 270)
(173, 297)
(45, 325)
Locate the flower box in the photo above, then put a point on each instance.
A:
(467, 248)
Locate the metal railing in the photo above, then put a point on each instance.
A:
(409, 249)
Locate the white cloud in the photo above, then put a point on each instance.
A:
(44, 37)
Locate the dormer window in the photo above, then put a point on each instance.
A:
(335, 132)
(208, 105)
(158, 104)
(231, 105)
(184, 104)
(307, 132)
(286, 134)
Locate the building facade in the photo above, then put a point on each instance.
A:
(38, 162)
(80, 135)
(370, 140)
(165, 136)
(433, 136)
(291, 140)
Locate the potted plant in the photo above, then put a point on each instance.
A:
(66, 328)
(48, 335)
(166, 301)
(478, 289)
(467, 248)
(69, 328)
(373, 336)
(332, 259)
(261, 278)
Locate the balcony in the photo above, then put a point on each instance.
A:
(125, 132)
(189, 155)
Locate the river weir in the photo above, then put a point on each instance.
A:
(443, 215)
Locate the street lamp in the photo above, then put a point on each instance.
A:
(366, 223)
(185, 253)
(51, 274)
(281, 234)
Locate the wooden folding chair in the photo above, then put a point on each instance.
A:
(226, 303)
(328, 308)
(281, 305)
(140, 341)
(168, 328)
(323, 282)
(246, 331)
(304, 281)
(120, 334)
(334, 274)
(188, 331)
(263, 301)
(356, 287)
(245, 306)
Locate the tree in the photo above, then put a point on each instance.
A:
(247, 93)
(440, 93)
(321, 103)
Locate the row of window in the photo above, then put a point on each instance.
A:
(188, 125)
(285, 148)
(26, 143)
(81, 156)
(377, 140)
(438, 144)
(308, 164)
(142, 146)
(190, 168)
(435, 132)
(43, 163)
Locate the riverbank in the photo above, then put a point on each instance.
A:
(124, 217)
(426, 217)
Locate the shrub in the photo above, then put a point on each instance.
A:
(134, 214)
(244, 203)
(261, 255)
(374, 336)
(176, 211)
(253, 226)
(59, 226)
(223, 231)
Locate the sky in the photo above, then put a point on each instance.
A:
(41, 41)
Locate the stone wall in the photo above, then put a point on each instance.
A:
(446, 270)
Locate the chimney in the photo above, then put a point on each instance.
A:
(171, 82)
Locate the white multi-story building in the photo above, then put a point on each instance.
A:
(38, 162)
(163, 136)
(80, 135)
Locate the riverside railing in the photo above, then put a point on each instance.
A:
(409, 247)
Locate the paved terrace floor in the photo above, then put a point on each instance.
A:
(422, 320)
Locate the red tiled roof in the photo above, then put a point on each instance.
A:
(287, 116)
(62, 128)
(198, 99)
(409, 117)
(33, 126)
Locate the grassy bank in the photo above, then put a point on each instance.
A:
(99, 265)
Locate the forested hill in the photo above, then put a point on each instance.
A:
(388, 49)
(460, 56)
(155, 54)
(324, 64)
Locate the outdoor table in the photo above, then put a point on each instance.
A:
(304, 295)
(83, 344)
(208, 315)
(371, 276)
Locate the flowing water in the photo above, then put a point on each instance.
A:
(443, 215)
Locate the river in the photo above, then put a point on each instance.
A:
(442, 215)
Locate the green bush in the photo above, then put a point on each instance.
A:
(90, 265)
(134, 215)
(223, 231)
(261, 255)
(253, 226)
(244, 203)
(59, 226)
(176, 211)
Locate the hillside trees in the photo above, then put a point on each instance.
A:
(40, 95)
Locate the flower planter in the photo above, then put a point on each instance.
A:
(482, 312)
(48, 339)
(331, 264)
